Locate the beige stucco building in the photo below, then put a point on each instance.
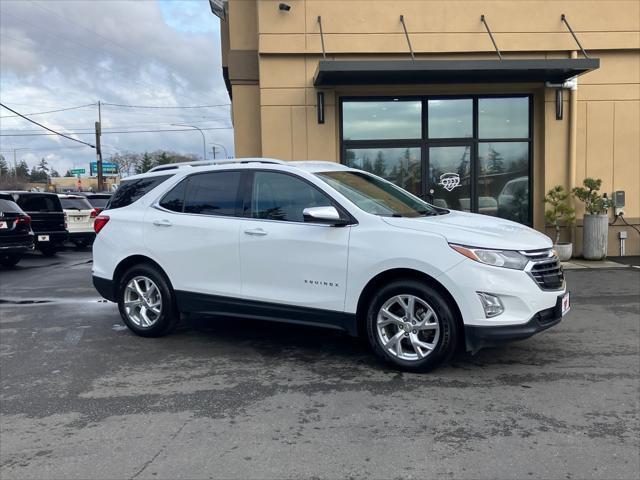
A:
(453, 122)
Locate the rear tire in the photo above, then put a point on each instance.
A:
(146, 301)
(9, 261)
(411, 326)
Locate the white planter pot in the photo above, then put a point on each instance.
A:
(565, 250)
(594, 236)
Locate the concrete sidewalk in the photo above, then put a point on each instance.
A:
(578, 263)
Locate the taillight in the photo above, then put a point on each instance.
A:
(23, 220)
(94, 213)
(100, 222)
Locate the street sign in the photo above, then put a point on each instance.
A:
(108, 168)
(77, 171)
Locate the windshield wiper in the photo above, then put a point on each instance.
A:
(427, 213)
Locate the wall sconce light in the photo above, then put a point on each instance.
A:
(320, 106)
(284, 7)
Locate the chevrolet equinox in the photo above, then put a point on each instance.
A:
(318, 243)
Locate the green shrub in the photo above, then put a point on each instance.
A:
(560, 211)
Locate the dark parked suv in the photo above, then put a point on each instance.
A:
(16, 236)
(97, 200)
(47, 219)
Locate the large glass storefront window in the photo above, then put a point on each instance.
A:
(402, 166)
(466, 153)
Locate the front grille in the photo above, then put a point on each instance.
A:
(546, 269)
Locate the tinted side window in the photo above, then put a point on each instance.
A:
(174, 200)
(213, 193)
(9, 206)
(131, 190)
(39, 203)
(278, 196)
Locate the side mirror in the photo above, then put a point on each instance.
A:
(324, 215)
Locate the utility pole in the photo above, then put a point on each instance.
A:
(99, 150)
(213, 147)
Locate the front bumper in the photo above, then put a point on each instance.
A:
(478, 337)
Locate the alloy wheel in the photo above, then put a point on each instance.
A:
(142, 302)
(407, 327)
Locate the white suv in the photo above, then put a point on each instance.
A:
(320, 244)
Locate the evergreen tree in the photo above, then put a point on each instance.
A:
(163, 158)
(379, 167)
(43, 166)
(4, 167)
(495, 162)
(68, 174)
(146, 164)
(366, 164)
(54, 173)
(22, 170)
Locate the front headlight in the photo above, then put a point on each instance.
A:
(496, 258)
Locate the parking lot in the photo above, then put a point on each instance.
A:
(83, 397)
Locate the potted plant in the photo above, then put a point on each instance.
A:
(560, 213)
(595, 222)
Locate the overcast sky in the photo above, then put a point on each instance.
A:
(57, 54)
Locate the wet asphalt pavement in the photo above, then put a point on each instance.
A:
(81, 397)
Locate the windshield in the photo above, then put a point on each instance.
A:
(377, 196)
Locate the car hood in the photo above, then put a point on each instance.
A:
(476, 230)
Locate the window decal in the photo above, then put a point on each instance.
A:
(449, 181)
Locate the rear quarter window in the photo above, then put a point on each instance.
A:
(131, 190)
(39, 203)
(9, 206)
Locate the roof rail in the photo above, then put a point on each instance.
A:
(173, 166)
(199, 163)
(249, 160)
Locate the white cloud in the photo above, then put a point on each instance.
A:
(56, 54)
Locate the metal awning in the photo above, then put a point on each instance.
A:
(396, 72)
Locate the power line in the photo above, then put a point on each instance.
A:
(52, 111)
(43, 148)
(47, 128)
(154, 106)
(80, 128)
(107, 132)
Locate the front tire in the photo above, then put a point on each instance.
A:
(411, 326)
(146, 302)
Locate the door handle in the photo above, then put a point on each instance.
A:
(162, 223)
(255, 232)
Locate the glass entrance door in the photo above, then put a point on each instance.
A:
(450, 176)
